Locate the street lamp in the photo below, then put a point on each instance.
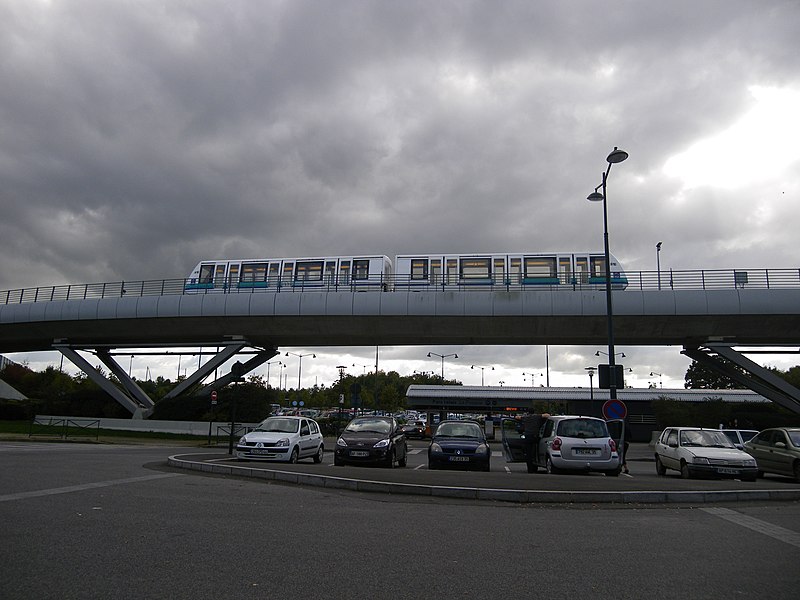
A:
(442, 356)
(660, 383)
(272, 363)
(363, 367)
(599, 352)
(532, 376)
(616, 156)
(591, 371)
(300, 366)
(658, 262)
(481, 368)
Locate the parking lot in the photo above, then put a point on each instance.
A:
(505, 481)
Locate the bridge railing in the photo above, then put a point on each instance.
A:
(706, 279)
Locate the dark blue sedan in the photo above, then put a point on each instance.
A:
(459, 445)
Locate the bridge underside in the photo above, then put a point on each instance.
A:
(724, 359)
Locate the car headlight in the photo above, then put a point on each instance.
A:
(382, 444)
(482, 449)
(435, 447)
(282, 442)
(242, 441)
(700, 460)
(749, 463)
(341, 442)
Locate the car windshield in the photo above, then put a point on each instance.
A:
(279, 425)
(458, 430)
(369, 426)
(705, 439)
(582, 428)
(795, 437)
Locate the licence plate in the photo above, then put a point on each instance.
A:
(586, 451)
(459, 459)
(260, 451)
(727, 471)
(359, 453)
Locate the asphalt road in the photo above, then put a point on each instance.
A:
(88, 521)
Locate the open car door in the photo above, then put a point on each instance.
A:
(513, 441)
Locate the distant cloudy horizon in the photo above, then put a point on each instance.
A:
(140, 138)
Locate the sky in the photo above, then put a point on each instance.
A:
(138, 138)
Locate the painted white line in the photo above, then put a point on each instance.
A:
(418, 467)
(507, 469)
(416, 451)
(84, 486)
(773, 531)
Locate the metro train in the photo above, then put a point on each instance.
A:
(413, 271)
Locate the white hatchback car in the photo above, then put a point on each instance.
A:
(282, 438)
(693, 451)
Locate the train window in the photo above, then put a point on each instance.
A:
(476, 268)
(254, 271)
(499, 270)
(598, 264)
(344, 272)
(274, 272)
(419, 269)
(308, 271)
(540, 266)
(206, 273)
(452, 270)
(515, 270)
(361, 269)
(436, 270)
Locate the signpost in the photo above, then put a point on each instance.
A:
(211, 417)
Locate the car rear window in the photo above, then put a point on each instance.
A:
(582, 428)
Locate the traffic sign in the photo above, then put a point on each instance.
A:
(214, 397)
(615, 409)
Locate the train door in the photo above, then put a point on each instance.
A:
(344, 272)
(233, 274)
(219, 275)
(565, 269)
(499, 273)
(288, 272)
(206, 275)
(513, 442)
(582, 269)
(330, 272)
(451, 276)
(274, 274)
(436, 271)
(515, 271)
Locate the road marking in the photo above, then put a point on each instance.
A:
(416, 451)
(507, 469)
(83, 486)
(774, 531)
(418, 467)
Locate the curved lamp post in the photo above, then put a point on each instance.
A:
(300, 366)
(616, 156)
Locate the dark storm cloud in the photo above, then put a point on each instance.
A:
(139, 138)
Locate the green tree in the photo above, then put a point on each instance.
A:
(700, 377)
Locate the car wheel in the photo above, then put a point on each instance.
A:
(661, 470)
(403, 461)
(295, 454)
(613, 472)
(685, 473)
(760, 474)
(337, 462)
(488, 467)
(320, 454)
(390, 460)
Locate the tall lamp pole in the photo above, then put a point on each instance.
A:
(591, 371)
(442, 356)
(300, 369)
(481, 368)
(616, 156)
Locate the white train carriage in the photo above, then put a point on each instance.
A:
(272, 274)
(518, 270)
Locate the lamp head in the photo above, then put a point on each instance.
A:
(617, 156)
(429, 354)
(455, 355)
(597, 353)
(658, 246)
(595, 196)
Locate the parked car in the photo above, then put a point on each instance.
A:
(459, 444)
(693, 452)
(739, 436)
(282, 438)
(371, 440)
(567, 443)
(777, 450)
(414, 429)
